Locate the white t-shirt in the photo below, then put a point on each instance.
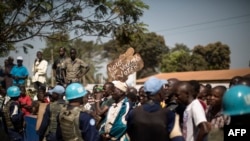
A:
(194, 114)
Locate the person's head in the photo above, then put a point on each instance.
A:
(171, 89)
(184, 93)
(164, 89)
(75, 92)
(6, 62)
(244, 81)
(62, 51)
(132, 94)
(209, 96)
(13, 92)
(97, 89)
(217, 94)
(19, 60)
(234, 81)
(108, 89)
(73, 53)
(23, 90)
(236, 103)
(142, 95)
(57, 92)
(153, 87)
(41, 93)
(119, 92)
(2, 92)
(202, 95)
(39, 55)
(10, 60)
(196, 86)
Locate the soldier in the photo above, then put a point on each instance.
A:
(58, 72)
(235, 103)
(13, 116)
(74, 121)
(49, 123)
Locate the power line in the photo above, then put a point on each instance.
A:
(202, 23)
(206, 28)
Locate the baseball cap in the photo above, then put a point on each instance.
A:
(19, 58)
(120, 85)
(153, 85)
(57, 89)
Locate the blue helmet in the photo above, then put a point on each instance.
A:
(236, 100)
(13, 91)
(75, 90)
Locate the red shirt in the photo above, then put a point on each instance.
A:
(25, 100)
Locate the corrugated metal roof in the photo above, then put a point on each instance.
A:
(211, 75)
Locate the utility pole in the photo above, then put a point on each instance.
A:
(52, 61)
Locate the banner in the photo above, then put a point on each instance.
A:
(125, 65)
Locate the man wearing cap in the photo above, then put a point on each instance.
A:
(19, 72)
(150, 121)
(114, 126)
(49, 122)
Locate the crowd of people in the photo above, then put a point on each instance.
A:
(159, 110)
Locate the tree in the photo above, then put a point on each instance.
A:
(217, 55)
(27, 19)
(181, 59)
(177, 60)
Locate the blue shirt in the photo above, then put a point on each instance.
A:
(87, 128)
(20, 71)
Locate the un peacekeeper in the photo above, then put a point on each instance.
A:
(13, 116)
(235, 103)
(150, 121)
(75, 123)
(49, 122)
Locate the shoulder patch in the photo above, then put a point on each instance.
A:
(92, 122)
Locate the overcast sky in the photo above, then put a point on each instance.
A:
(192, 22)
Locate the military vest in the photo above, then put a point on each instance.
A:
(69, 123)
(1, 103)
(55, 108)
(8, 121)
(148, 126)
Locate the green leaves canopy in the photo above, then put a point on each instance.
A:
(41, 18)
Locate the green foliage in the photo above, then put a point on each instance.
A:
(211, 57)
(177, 60)
(26, 19)
(217, 55)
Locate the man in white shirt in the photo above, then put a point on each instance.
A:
(195, 126)
(39, 70)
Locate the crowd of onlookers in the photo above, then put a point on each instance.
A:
(159, 110)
